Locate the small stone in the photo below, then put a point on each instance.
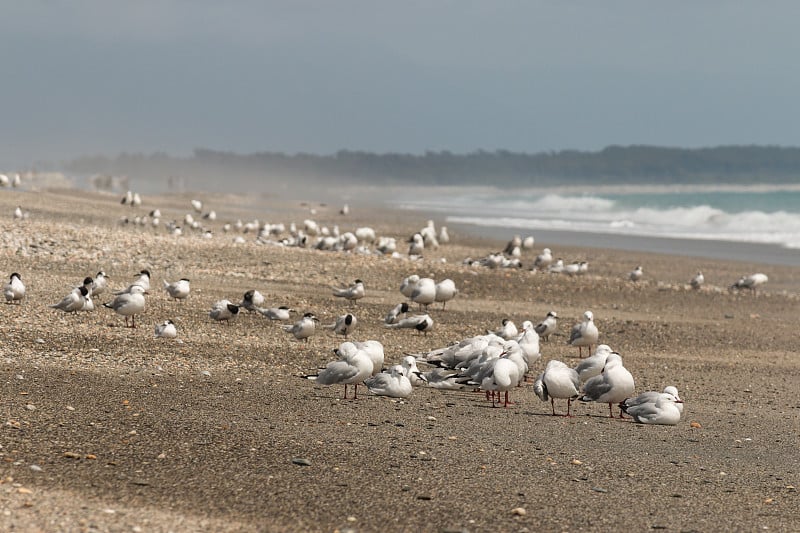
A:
(577, 462)
(519, 511)
(351, 519)
(23, 490)
(206, 373)
(300, 461)
(599, 489)
(431, 418)
(35, 468)
(72, 455)
(695, 425)
(70, 408)
(30, 407)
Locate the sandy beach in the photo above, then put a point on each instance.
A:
(105, 428)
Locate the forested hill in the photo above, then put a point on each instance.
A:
(615, 164)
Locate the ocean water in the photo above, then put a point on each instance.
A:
(768, 215)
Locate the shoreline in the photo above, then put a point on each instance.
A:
(744, 252)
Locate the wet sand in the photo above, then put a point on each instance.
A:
(107, 429)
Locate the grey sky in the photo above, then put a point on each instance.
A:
(102, 77)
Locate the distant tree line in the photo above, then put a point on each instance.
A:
(614, 164)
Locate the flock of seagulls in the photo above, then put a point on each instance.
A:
(496, 362)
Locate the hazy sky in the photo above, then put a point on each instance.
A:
(103, 77)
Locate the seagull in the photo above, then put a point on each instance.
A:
(444, 236)
(303, 328)
(548, 326)
(543, 260)
(636, 274)
(276, 313)
(73, 302)
(557, 381)
(697, 280)
(504, 375)
(655, 407)
(197, 205)
(14, 290)
(394, 314)
(507, 331)
(424, 292)
(129, 304)
(18, 214)
(394, 384)
(613, 385)
(514, 244)
(252, 300)
(408, 285)
(353, 292)
(421, 323)
(88, 303)
(224, 310)
(593, 365)
(353, 367)
(752, 282)
(528, 341)
(178, 290)
(344, 325)
(445, 291)
(584, 333)
(166, 330)
(416, 245)
(442, 378)
(557, 267)
(100, 284)
(374, 351)
(410, 369)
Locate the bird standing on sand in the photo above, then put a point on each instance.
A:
(352, 368)
(543, 260)
(424, 292)
(508, 330)
(100, 284)
(352, 293)
(593, 365)
(224, 310)
(636, 274)
(557, 381)
(128, 304)
(178, 290)
(303, 328)
(14, 290)
(74, 301)
(142, 280)
(613, 385)
(445, 291)
(548, 326)
(344, 324)
(252, 300)
(584, 333)
(697, 280)
(752, 282)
